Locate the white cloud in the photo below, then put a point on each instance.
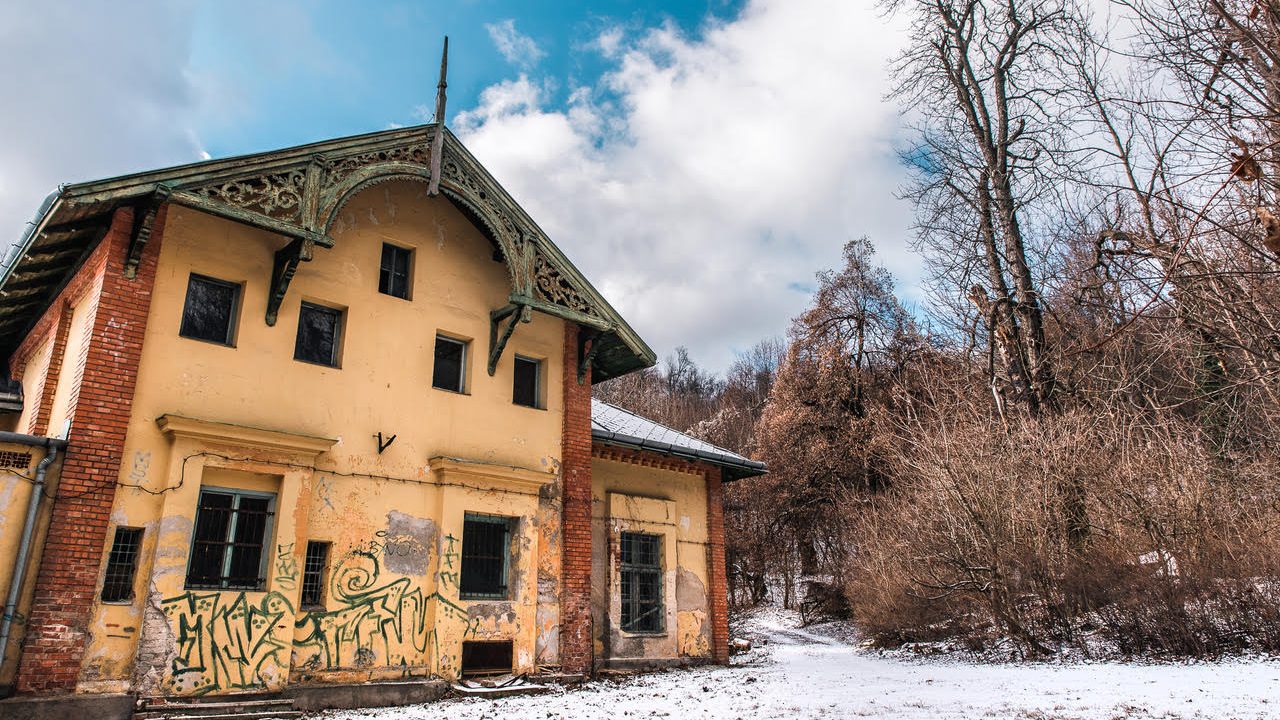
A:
(86, 99)
(517, 48)
(702, 179)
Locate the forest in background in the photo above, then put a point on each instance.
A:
(1071, 445)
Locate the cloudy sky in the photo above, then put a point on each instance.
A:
(699, 161)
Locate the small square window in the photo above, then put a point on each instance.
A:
(394, 276)
(313, 574)
(122, 563)
(232, 528)
(319, 332)
(527, 386)
(449, 372)
(209, 312)
(486, 557)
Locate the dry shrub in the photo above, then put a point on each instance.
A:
(1067, 531)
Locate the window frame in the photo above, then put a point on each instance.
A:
(340, 327)
(383, 270)
(462, 362)
(538, 382)
(508, 524)
(317, 603)
(233, 314)
(131, 564)
(267, 537)
(633, 605)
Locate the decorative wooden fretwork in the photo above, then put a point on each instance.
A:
(277, 196)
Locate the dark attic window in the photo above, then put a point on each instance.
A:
(210, 310)
(449, 372)
(319, 331)
(526, 388)
(394, 277)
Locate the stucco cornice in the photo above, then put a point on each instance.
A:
(242, 435)
(486, 476)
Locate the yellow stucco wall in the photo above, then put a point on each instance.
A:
(392, 606)
(16, 486)
(632, 498)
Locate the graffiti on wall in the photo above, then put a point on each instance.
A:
(225, 642)
(286, 567)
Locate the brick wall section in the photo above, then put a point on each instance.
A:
(716, 569)
(576, 643)
(66, 584)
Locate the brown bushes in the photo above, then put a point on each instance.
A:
(981, 539)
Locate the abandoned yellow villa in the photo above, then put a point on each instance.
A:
(321, 418)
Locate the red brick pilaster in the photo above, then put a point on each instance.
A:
(717, 577)
(66, 584)
(576, 642)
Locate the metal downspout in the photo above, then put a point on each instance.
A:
(24, 548)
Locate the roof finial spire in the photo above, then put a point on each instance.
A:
(444, 71)
(437, 140)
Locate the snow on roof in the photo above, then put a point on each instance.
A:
(614, 425)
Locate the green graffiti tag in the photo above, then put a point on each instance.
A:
(226, 645)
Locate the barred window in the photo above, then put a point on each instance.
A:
(313, 573)
(641, 565)
(122, 564)
(232, 527)
(486, 557)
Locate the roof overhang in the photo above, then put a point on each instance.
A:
(731, 467)
(297, 193)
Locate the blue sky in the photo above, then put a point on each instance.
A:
(699, 161)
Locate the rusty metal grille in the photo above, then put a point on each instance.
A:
(641, 570)
(15, 460)
(122, 564)
(313, 568)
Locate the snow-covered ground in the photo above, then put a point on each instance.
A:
(806, 673)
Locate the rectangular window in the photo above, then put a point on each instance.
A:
(232, 527)
(313, 574)
(486, 557)
(394, 278)
(210, 310)
(641, 561)
(122, 563)
(319, 332)
(449, 372)
(527, 388)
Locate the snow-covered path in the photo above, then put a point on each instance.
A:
(802, 674)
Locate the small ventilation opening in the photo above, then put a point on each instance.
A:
(486, 658)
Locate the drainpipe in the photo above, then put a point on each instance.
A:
(28, 530)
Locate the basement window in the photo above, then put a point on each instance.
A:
(393, 278)
(232, 526)
(486, 658)
(486, 557)
(313, 572)
(122, 564)
(527, 386)
(641, 561)
(449, 372)
(319, 332)
(210, 310)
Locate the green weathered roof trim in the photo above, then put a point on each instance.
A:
(297, 192)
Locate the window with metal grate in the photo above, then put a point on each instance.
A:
(313, 574)
(640, 556)
(486, 557)
(232, 527)
(122, 564)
